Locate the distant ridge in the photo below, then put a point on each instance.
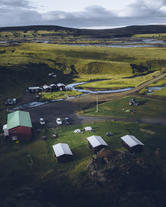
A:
(105, 33)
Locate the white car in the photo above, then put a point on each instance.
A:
(41, 121)
(59, 121)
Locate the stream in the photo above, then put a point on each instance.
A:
(69, 87)
(85, 92)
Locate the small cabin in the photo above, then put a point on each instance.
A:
(62, 152)
(35, 89)
(132, 144)
(47, 88)
(18, 126)
(54, 87)
(61, 86)
(96, 143)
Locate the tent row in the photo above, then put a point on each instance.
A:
(96, 143)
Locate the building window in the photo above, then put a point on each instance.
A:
(14, 138)
(13, 131)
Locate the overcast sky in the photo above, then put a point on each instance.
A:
(82, 14)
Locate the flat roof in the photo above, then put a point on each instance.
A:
(131, 140)
(96, 141)
(61, 149)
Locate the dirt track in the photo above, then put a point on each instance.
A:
(71, 107)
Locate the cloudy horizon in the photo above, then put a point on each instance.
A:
(92, 14)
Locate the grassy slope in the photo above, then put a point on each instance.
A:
(53, 177)
(28, 64)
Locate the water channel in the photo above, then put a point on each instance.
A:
(85, 92)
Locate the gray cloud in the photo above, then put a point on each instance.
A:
(11, 4)
(20, 13)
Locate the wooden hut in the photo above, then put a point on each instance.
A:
(54, 87)
(62, 152)
(96, 143)
(132, 144)
(61, 86)
(19, 126)
(35, 89)
(47, 88)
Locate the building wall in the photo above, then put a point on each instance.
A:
(137, 148)
(64, 158)
(20, 133)
(96, 149)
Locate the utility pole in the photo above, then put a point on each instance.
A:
(97, 107)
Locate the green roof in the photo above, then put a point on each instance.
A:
(18, 118)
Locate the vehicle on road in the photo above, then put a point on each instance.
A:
(59, 121)
(133, 102)
(10, 101)
(42, 121)
(67, 120)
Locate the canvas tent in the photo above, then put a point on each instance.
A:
(131, 143)
(88, 128)
(96, 143)
(62, 152)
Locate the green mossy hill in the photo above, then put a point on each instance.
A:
(28, 64)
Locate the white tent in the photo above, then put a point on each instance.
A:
(96, 141)
(131, 140)
(61, 149)
(77, 131)
(88, 128)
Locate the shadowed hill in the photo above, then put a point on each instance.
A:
(104, 33)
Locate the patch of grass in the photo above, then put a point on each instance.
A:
(118, 82)
(15, 162)
(147, 107)
(149, 35)
(58, 95)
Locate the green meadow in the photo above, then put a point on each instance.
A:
(120, 108)
(28, 64)
(17, 171)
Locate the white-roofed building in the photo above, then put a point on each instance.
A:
(132, 144)
(35, 89)
(96, 143)
(62, 152)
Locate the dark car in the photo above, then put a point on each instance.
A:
(133, 102)
(67, 120)
(10, 101)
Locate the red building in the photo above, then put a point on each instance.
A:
(19, 126)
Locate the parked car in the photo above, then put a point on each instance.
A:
(67, 120)
(42, 121)
(133, 102)
(10, 101)
(59, 121)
